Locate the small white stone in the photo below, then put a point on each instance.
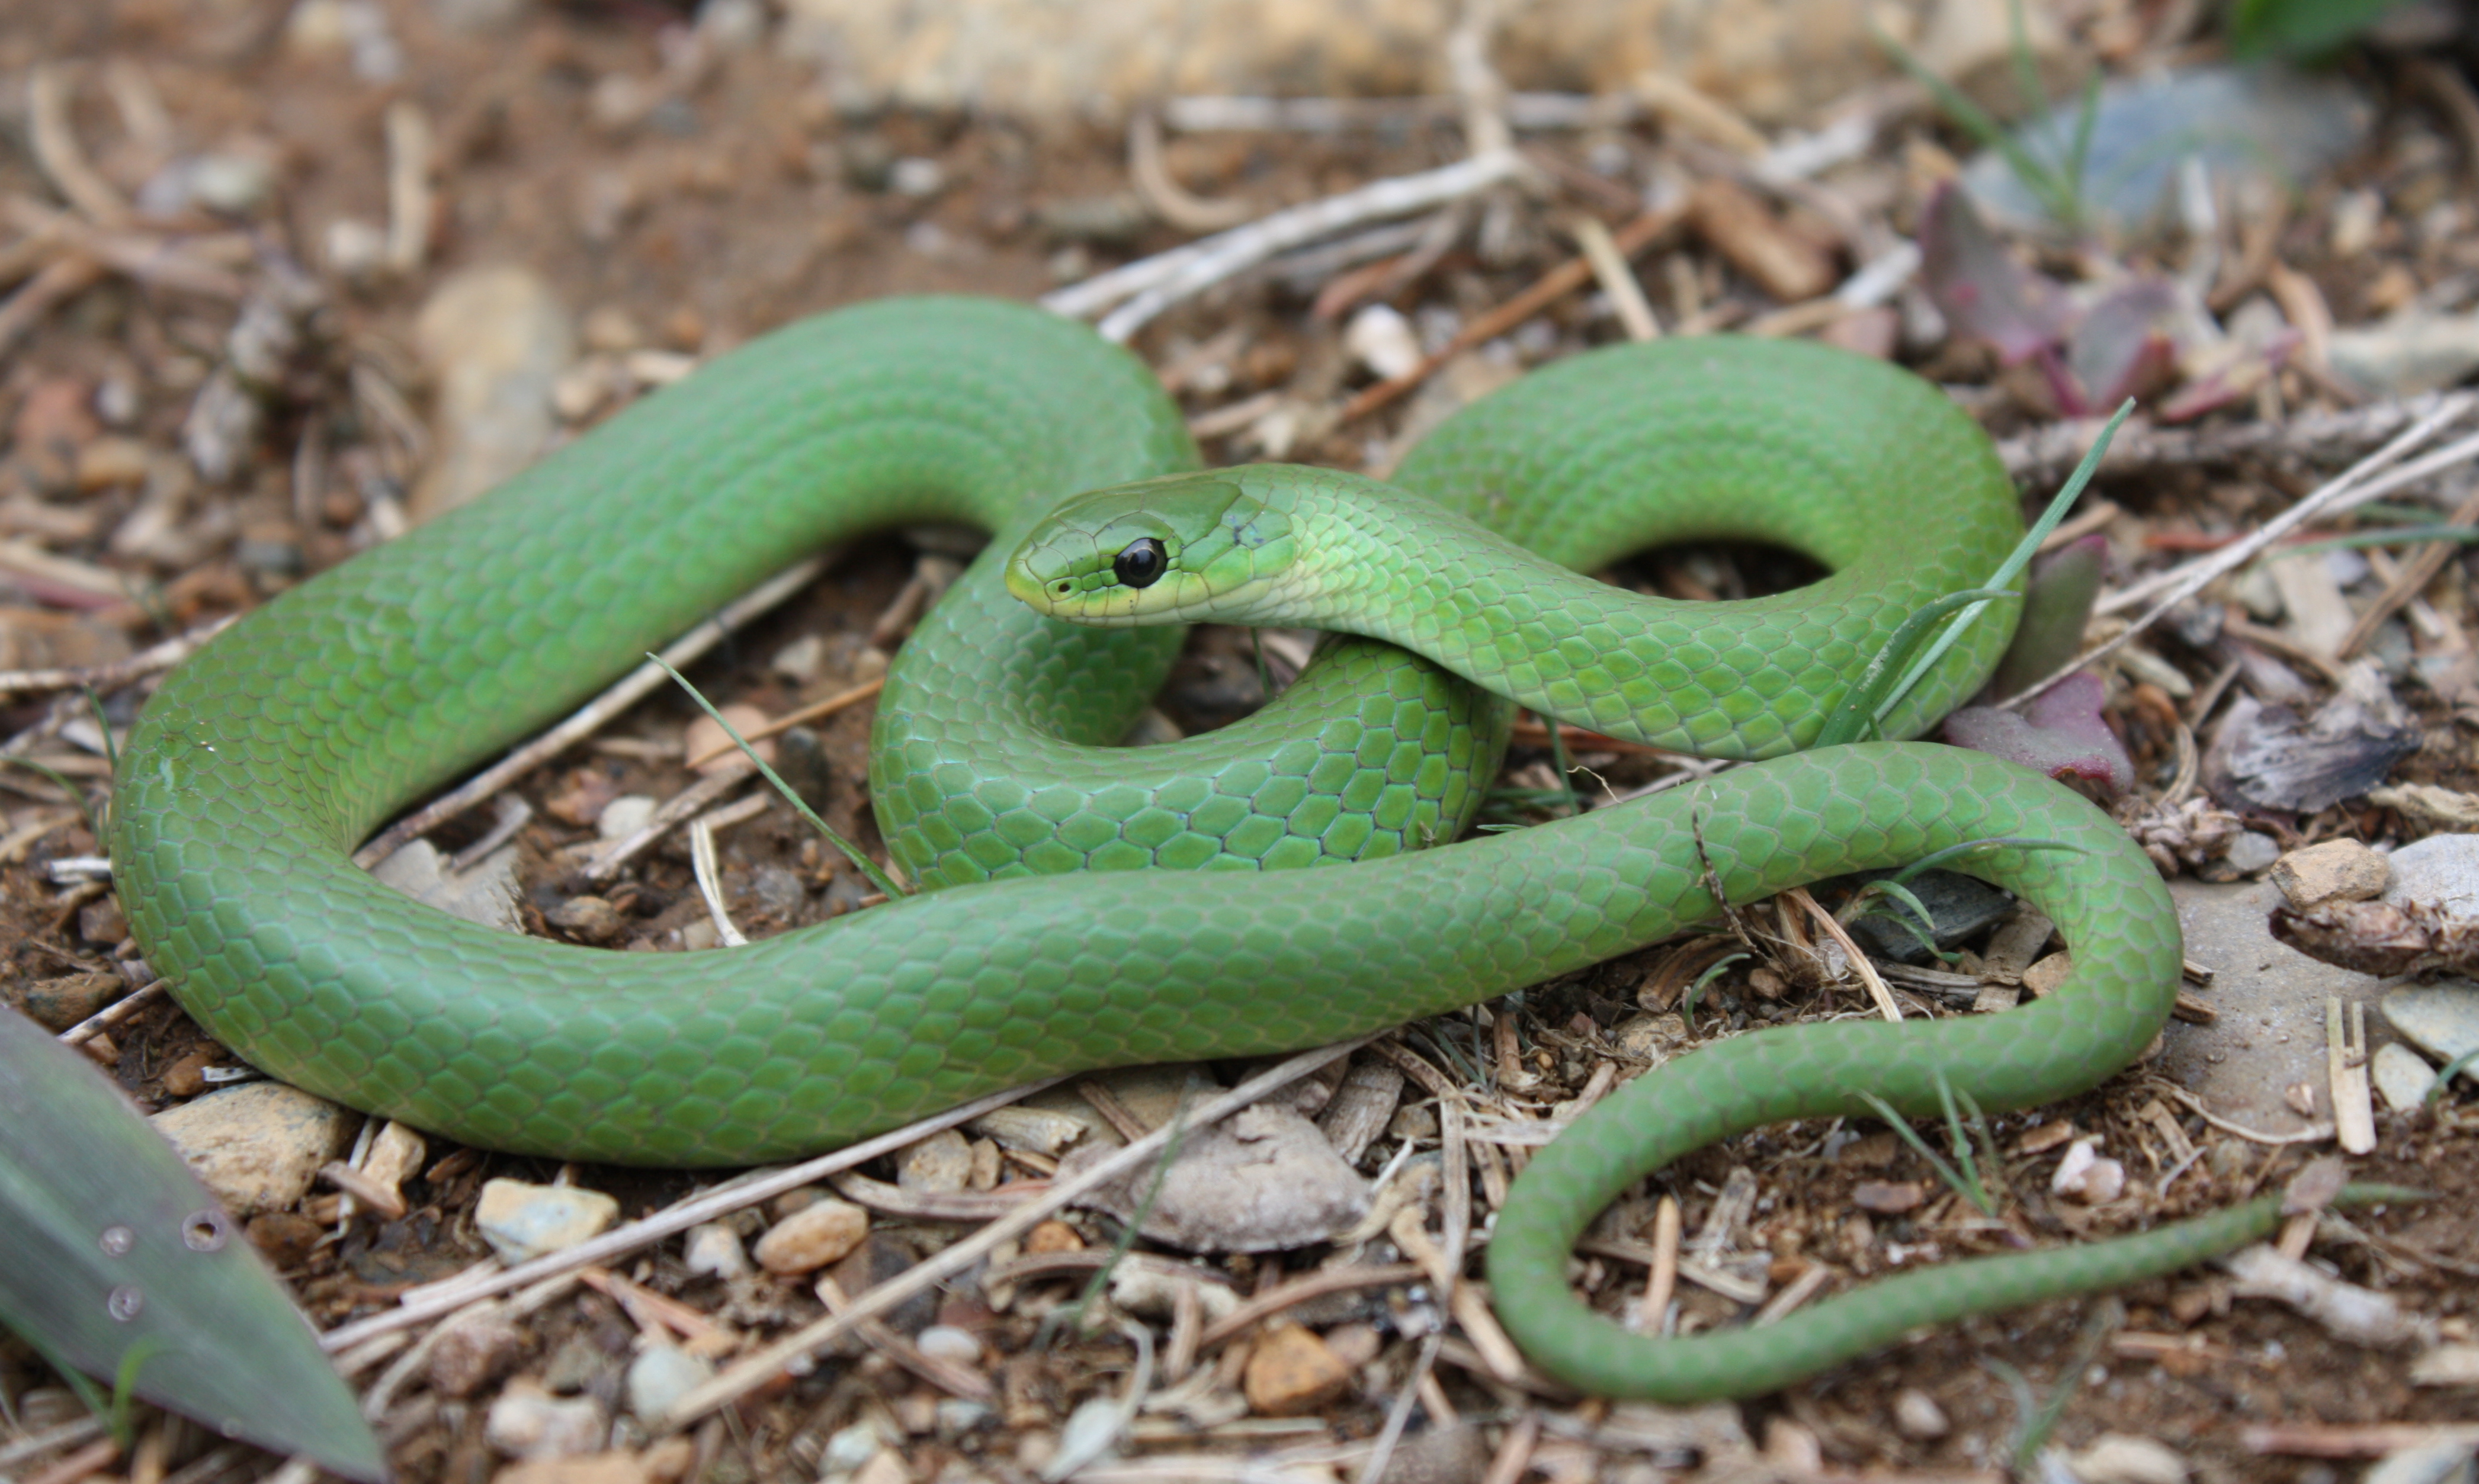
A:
(523, 1222)
(915, 176)
(1917, 1414)
(2121, 1458)
(947, 1343)
(1382, 340)
(941, 1164)
(624, 816)
(661, 1375)
(2085, 1176)
(527, 1422)
(714, 1251)
(2402, 1075)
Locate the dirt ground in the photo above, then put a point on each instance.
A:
(681, 195)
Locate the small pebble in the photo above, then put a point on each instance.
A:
(1917, 1414)
(624, 816)
(527, 1422)
(470, 1355)
(1383, 341)
(2441, 1018)
(2084, 1175)
(850, 1448)
(714, 1251)
(947, 1343)
(941, 1164)
(259, 1146)
(523, 1221)
(2251, 852)
(704, 736)
(57, 1004)
(2402, 1075)
(812, 1237)
(2121, 1458)
(1292, 1372)
(1052, 1237)
(589, 917)
(1888, 1197)
(661, 1375)
(2337, 870)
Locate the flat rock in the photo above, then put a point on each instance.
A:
(2441, 1018)
(2269, 1032)
(2337, 870)
(527, 1422)
(257, 1146)
(941, 1164)
(523, 1221)
(1263, 1180)
(486, 894)
(494, 339)
(2401, 1075)
(2441, 871)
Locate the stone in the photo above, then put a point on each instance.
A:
(486, 894)
(1028, 1130)
(2249, 852)
(523, 1221)
(659, 1376)
(494, 339)
(2401, 1075)
(1380, 338)
(2337, 870)
(2122, 1458)
(1917, 1414)
(258, 1146)
(1291, 1372)
(2441, 871)
(2086, 1177)
(713, 1251)
(1888, 1197)
(810, 1238)
(473, 1353)
(947, 1343)
(2447, 1364)
(528, 1421)
(941, 1164)
(57, 1004)
(2441, 1018)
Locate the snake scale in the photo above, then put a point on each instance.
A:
(264, 759)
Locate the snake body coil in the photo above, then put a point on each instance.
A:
(262, 762)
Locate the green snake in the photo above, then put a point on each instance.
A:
(264, 759)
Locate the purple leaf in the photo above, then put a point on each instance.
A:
(1983, 290)
(2057, 608)
(2125, 346)
(2060, 733)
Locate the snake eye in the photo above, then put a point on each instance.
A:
(1142, 564)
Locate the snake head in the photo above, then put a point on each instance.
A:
(1168, 550)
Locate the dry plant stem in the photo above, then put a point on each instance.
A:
(1859, 961)
(1244, 247)
(60, 279)
(709, 883)
(410, 204)
(1514, 1456)
(2312, 1133)
(1555, 284)
(687, 804)
(2361, 481)
(588, 718)
(1300, 1289)
(50, 1440)
(2047, 454)
(195, 264)
(2412, 579)
(113, 1014)
(56, 153)
(1616, 279)
(952, 1379)
(2315, 1440)
(106, 677)
(840, 701)
(1165, 196)
(84, 1463)
(1374, 1466)
(422, 1306)
(1663, 1282)
(757, 1369)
